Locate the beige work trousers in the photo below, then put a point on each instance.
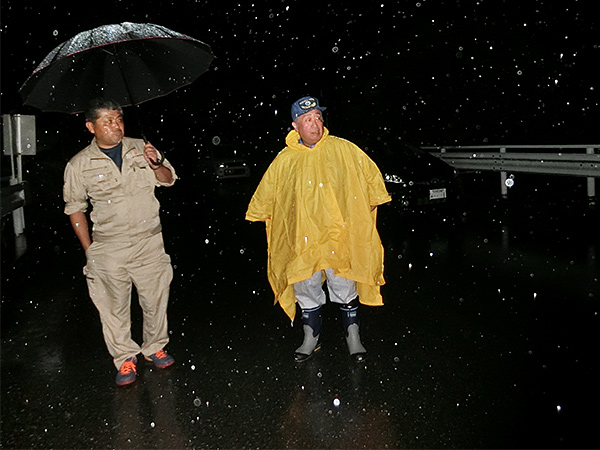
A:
(111, 271)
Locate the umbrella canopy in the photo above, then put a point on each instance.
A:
(128, 62)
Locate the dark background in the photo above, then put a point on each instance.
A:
(430, 72)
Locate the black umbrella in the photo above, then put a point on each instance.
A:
(128, 62)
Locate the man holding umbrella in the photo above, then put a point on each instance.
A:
(118, 176)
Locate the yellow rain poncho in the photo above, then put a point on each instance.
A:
(316, 203)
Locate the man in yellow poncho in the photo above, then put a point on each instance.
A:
(319, 201)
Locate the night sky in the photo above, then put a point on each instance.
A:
(427, 72)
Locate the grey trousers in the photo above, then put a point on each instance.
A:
(309, 292)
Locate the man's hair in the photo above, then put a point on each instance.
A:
(94, 107)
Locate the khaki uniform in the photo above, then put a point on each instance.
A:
(127, 246)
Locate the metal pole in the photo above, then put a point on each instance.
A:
(134, 106)
(503, 187)
(591, 183)
(18, 214)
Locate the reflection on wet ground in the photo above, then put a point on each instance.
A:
(488, 338)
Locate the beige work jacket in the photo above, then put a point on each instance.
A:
(124, 207)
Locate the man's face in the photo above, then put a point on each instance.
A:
(310, 127)
(109, 128)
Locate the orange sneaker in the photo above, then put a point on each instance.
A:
(128, 372)
(160, 359)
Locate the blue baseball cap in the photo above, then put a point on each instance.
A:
(304, 105)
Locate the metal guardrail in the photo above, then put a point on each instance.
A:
(13, 198)
(570, 160)
(500, 160)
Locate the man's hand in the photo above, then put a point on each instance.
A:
(162, 173)
(151, 155)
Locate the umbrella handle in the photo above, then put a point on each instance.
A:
(161, 157)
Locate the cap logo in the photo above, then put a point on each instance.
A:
(308, 103)
(304, 105)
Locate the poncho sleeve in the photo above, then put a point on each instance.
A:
(377, 191)
(260, 208)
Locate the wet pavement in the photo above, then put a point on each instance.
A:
(488, 338)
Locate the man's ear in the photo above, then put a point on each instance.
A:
(90, 126)
(295, 125)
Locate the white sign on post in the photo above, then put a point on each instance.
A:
(19, 134)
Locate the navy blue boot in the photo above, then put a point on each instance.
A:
(312, 320)
(351, 323)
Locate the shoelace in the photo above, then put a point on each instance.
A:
(161, 354)
(127, 367)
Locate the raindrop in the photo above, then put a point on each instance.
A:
(336, 402)
(197, 402)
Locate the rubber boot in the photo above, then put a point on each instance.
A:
(351, 323)
(312, 321)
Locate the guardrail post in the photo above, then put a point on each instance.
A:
(503, 187)
(18, 139)
(19, 214)
(591, 183)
